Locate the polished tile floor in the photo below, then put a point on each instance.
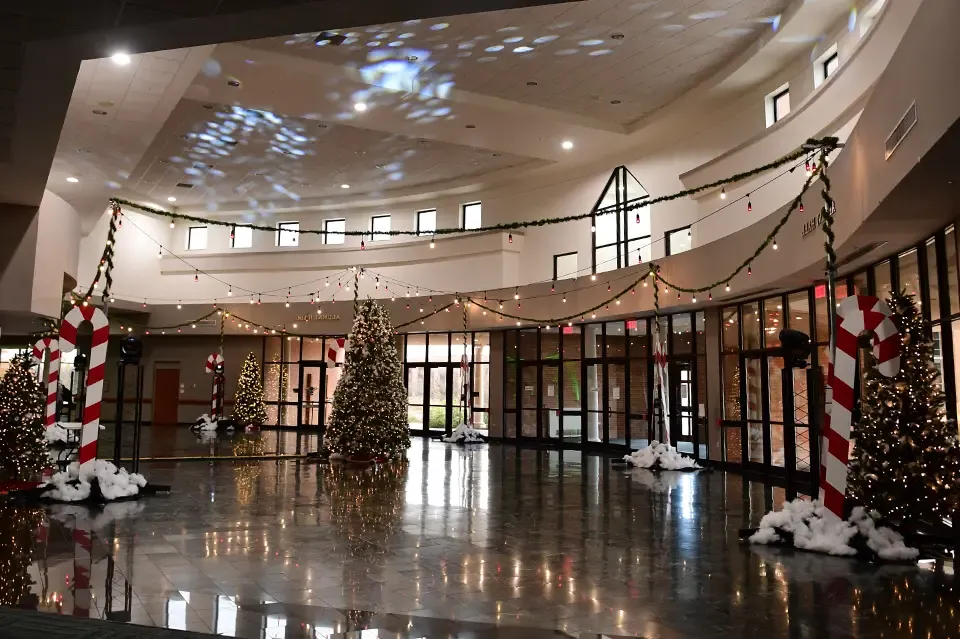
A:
(491, 541)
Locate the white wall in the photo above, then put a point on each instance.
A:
(58, 249)
(722, 136)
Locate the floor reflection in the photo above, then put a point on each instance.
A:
(489, 541)
(162, 442)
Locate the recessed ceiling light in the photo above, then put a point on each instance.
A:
(470, 126)
(412, 58)
(359, 107)
(233, 83)
(496, 155)
(72, 180)
(120, 59)
(321, 126)
(616, 36)
(209, 107)
(83, 151)
(344, 186)
(614, 101)
(98, 112)
(567, 145)
(532, 83)
(171, 199)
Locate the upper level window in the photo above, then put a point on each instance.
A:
(333, 231)
(678, 240)
(426, 222)
(778, 105)
(288, 233)
(196, 238)
(380, 225)
(242, 237)
(565, 266)
(471, 216)
(621, 233)
(830, 65)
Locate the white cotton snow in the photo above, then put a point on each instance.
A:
(205, 422)
(114, 483)
(662, 456)
(813, 530)
(465, 434)
(55, 433)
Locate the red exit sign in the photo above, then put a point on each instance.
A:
(820, 291)
(631, 325)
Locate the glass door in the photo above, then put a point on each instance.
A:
(458, 394)
(416, 399)
(682, 410)
(550, 403)
(310, 393)
(438, 399)
(529, 404)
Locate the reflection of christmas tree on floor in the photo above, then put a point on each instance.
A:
(17, 529)
(365, 505)
(23, 452)
(369, 418)
(248, 406)
(905, 463)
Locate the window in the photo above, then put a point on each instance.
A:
(196, 238)
(621, 235)
(288, 233)
(471, 216)
(333, 231)
(678, 240)
(565, 266)
(781, 104)
(380, 228)
(426, 222)
(242, 237)
(830, 65)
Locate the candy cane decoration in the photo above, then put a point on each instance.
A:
(335, 354)
(82, 565)
(97, 367)
(855, 315)
(214, 360)
(53, 375)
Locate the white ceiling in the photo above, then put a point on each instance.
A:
(668, 46)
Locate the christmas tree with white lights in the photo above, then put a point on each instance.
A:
(248, 406)
(23, 451)
(369, 417)
(905, 463)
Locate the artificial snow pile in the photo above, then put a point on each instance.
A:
(106, 482)
(805, 525)
(659, 456)
(464, 434)
(56, 434)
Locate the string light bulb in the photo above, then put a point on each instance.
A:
(774, 244)
(749, 270)
(433, 244)
(638, 217)
(160, 253)
(801, 207)
(362, 245)
(179, 305)
(727, 287)
(196, 276)
(749, 204)
(230, 291)
(172, 223)
(516, 293)
(723, 193)
(510, 238)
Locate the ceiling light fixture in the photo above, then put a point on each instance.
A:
(360, 107)
(171, 199)
(72, 180)
(120, 59)
(616, 36)
(533, 83)
(233, 83)
(99, 112)
(567, 145)
(344, 186)
(614, 101)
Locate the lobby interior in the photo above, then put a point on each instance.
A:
(538, 193)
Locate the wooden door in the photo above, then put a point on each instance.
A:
(166, 395)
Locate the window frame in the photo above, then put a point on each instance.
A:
(463, 215)
(233, 240)
(824, 65)
(622, 243)
(556, 276)
(380, 236)
(666, 238)
(206, 238)
(419, 227)
(327, 232)
(773, 103)
(282, 227)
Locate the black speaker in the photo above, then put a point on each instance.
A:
(795, 348)
(131, 350)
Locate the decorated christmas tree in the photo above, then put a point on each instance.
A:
(248, 407)
(369, 417)
(905, 462)
(23, 452)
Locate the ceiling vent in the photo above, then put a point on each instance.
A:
(907, 122)
(184, 185)
(325, 37)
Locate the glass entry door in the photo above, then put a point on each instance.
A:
(439, 398)
(311, 393)
(433, 393)
(682, 409)
(552, 417)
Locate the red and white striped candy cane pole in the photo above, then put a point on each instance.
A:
(97, 367)
(53, 374)
(855, 315)
(213, 361)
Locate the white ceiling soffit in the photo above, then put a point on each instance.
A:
(608, 60)
(114, 114)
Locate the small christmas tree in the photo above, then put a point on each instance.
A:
(905, 463)
(23, 452)
(369, 417)
(248, 406)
